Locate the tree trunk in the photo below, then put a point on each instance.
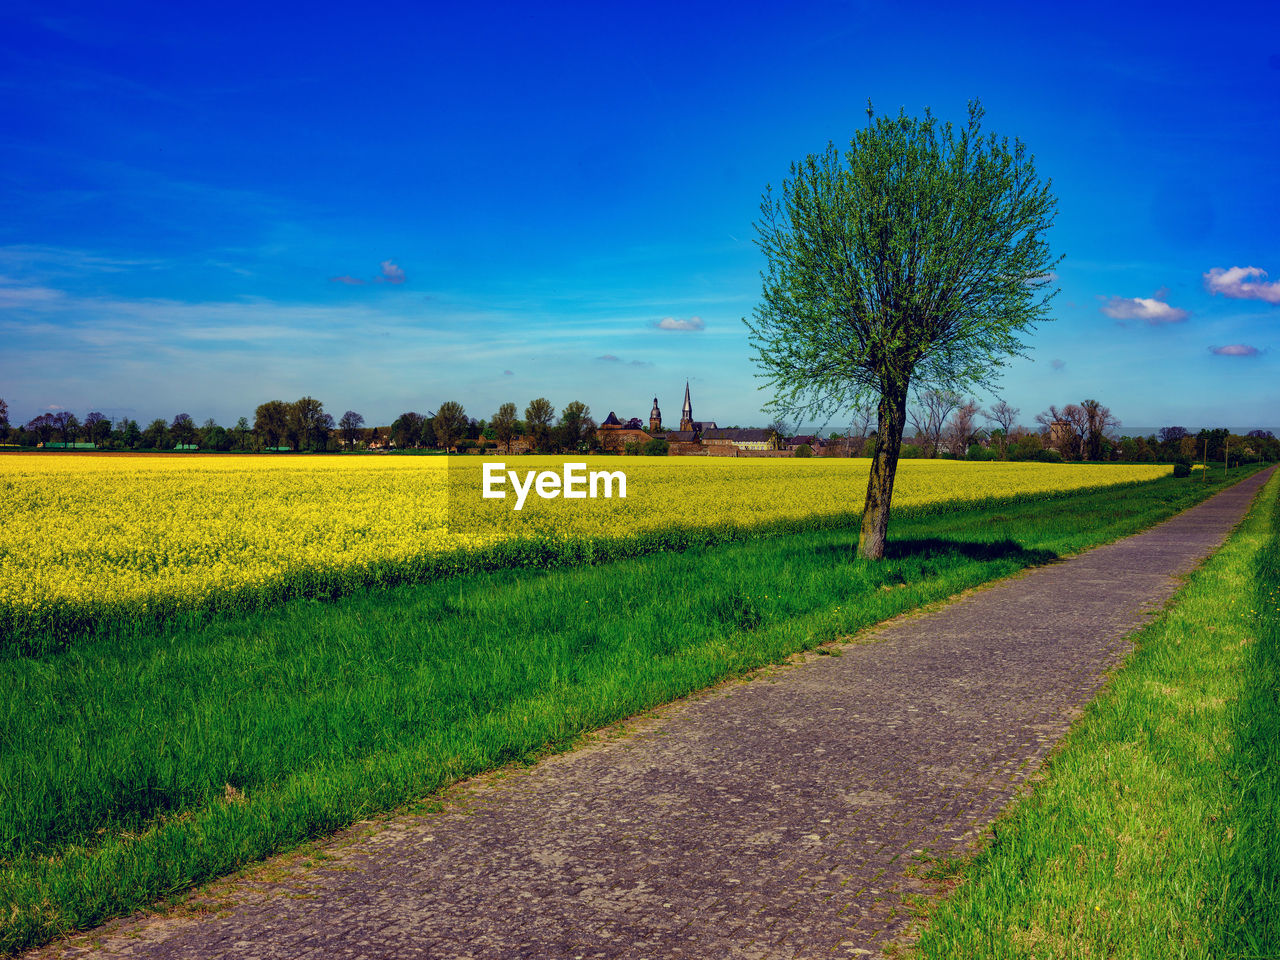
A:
(884, 466)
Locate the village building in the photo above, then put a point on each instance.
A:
(1062, 435)
(689, 436)
(739, 439)
(694, 438)
(614, 434)
(812, 441)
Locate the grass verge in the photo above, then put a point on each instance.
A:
(140, 764)
(1154, 831)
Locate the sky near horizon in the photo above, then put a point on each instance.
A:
(204, 208)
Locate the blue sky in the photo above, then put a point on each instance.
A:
(393, 206)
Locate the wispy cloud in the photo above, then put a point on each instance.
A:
(391, 273)
(610, 358)
(673, 323)
(508, 373)
(36, 260)
(12, 295)
(1058, 365)
(1235, 350)
(1150, 310)
(1237, 284)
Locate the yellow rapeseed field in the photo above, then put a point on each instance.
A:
(114, 533)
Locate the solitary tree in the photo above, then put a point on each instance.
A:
(1099, 424)
(240, 434)
(917, 257)
(406, 429)
(183, 429)
(576, 428)
(962, 429)
(96, 428)
(504, 424)
(42, 426)
(67, 424)
(213, 436)
(308, 428)
(929, 415)
(450, 424)
(128, 433)
(156, 436)
(350, 424)
(537, 417)
(271, 423)
(1004, 416)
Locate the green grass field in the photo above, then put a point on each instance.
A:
(1156, 832)
(139, 764)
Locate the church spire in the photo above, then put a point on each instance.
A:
(686, 412)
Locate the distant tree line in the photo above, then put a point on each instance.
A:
(303, 425)
(946, 425)
(541, 431)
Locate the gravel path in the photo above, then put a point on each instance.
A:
(770, 819)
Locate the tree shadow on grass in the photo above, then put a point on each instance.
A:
(935, 548)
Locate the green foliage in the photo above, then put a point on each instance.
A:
(804, 450)
(1047, 455)
(657, 448)
(577, 430)
(504, 425)
(537, 417)
(918, 256)
(977, 451)
(1182, 469)
(450, 424)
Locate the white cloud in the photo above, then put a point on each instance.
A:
(1149, 310)
(672, 323)
(1235, 350)
(391, 273)
(20, 296)
(1236, 283)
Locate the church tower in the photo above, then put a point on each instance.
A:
(655, 417)
(686, 412)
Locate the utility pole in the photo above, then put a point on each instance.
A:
(1204, 463)
(1226, 459)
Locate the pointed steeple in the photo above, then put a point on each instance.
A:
(686, 412)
